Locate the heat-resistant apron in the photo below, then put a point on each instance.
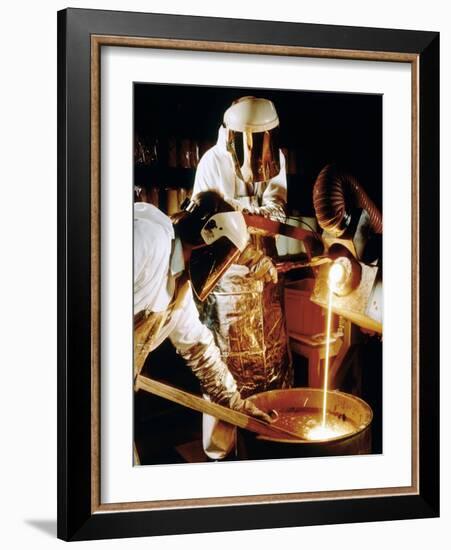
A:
(247, 320)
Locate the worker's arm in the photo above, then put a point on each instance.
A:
(274, 198)
(195, 343)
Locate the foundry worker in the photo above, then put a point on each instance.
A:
(169, 260)
(245, 312)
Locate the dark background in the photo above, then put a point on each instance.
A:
(321, 127)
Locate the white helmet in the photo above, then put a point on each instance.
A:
(226, 224)
(252, 138)
(218, 235)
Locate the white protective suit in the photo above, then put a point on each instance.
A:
(246, 314)
(158, 268)
(216, 171)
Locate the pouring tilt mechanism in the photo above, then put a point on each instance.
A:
(352, 237)
(351, 245)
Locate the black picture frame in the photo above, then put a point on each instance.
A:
(77, 517)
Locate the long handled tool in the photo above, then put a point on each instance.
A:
(312, 243)
(202, 405)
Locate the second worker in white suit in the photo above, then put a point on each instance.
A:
(245, 311)
(172, 258)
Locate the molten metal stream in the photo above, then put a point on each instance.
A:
(327, 358)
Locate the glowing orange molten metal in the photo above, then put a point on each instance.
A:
(336, 274)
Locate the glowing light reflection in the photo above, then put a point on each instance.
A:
(321, 432)
(337, 274)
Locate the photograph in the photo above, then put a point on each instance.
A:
(257, 273)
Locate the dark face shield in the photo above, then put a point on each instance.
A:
(208, 264)
(255, 154)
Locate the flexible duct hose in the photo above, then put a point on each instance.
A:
(335, 193)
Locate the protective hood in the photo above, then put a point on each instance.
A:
(208, 264)
(252, 138)
(226, 236)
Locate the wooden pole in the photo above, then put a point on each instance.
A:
(219, 411)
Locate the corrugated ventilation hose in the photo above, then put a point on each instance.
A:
(335, 194)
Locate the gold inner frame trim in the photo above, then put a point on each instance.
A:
(97, 41)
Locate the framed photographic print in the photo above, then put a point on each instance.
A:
(248, 274)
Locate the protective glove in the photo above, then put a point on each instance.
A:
(264, 269)
(260, 266)
(237, 403)
(273, 210)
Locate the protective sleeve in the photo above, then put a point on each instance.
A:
(208, 176)
(195, 343)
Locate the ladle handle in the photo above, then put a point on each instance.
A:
(219, 411)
